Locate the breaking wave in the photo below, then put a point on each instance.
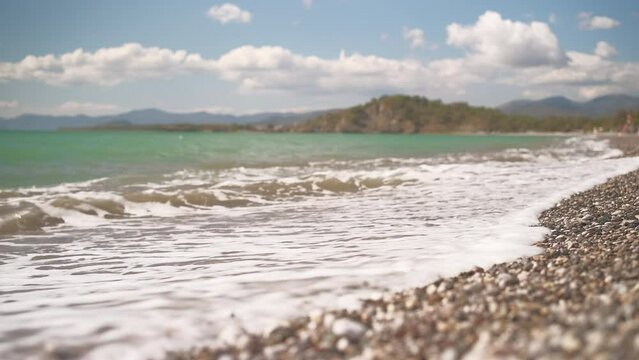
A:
(32, 210)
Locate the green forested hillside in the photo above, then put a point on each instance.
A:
(414, 114)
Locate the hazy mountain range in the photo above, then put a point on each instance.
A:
(561, 106)
(553, 106)
(149, 117)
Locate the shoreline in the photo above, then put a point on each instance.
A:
(187, 129)
(579, 298)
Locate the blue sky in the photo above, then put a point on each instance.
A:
(247, 56)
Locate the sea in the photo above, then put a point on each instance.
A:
(130, 244)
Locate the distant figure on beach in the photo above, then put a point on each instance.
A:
(628, 126)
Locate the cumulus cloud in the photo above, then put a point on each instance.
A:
(414, 37)
(581, 69)
(86, 108)
(590, 75)
(491, 42)
(106, 66)
(498, 51)
(493, 39)
(605, 50)
(307, 3)
(587, 21)
(11, 104)
(277, 68)
(229, 13)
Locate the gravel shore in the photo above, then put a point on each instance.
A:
(579, 298)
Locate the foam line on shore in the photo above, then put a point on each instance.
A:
(551, 304)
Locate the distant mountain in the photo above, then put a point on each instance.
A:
(396, 113)
(560, 106)
(149, 117)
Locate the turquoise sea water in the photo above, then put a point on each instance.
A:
(125, 245)
(48, 158)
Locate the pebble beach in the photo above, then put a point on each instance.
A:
(578, 298)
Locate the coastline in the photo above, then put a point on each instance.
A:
(579, 298)
(628, 143)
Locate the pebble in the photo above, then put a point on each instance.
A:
(570, 343)
(352, 330)
(505, 279)
(342, 344)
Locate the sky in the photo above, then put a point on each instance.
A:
(100, 57)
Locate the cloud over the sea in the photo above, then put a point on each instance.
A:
(229, 13)
(8, 104)
(105, 66)
(605, 50)
(86, 108)
(415, 37)
(588, 21)
(496, 51)
(493, 39)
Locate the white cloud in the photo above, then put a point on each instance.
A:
(106, 66)
(211, 110)
(86, 108)
(493, 39)
(279, 69)
(229, 13)
(12, 104)
(536, 94)
(501, 52)
(589, 22)
(307, 3)
(414, 37)
(590, 92)
(605, 50)
(588, 75)
(225, 110)
(581, 69)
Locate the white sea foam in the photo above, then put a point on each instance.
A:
(167, 277)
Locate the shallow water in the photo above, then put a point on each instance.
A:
(187, 251)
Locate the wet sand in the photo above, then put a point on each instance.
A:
(579, 298)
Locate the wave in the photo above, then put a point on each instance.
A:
(32, 210)
(25, 218)
(37, 210)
